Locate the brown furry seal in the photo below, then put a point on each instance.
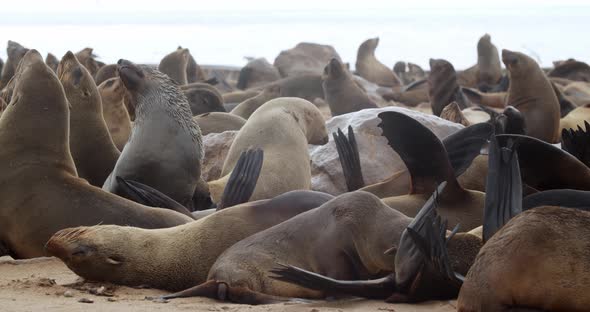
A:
(218, 122)
(174, 258)
(104, 73)
(532, 94)
(40, 192)
(15, 53)
(203, 98)
(341, 92)
(489, 68)
(443, 87)
(175, 64)
(87, 57)
(52, 61)
(92, 147)
(258, 72)
(282, 128)
(368, 67)
(247, 108)
(165, 148)
(115, 114)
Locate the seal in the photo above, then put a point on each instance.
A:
(247, 108)
(87, 57)
(575, 118)
(112, 92)
(410, 95)
(572, 70)
(258, 72)
(489, 68)
(59, 199)
(92, 147)
(532, 94)
(341, 92)
(453, 113)
(219, 122)
(194, 72)
(175, 65)
(203, 98)
(443, 87)
(15, 53)
(368, 67)
(240, 96)
(412, 74)
(52, 61)
(490, 99)
(104, 73)
(171, 162)
(282, 128)
(184, 253)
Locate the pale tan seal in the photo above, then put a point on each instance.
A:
(282, 128)
(37, 169)
(218, 122)
(175, 65)
(112, 93)
(341, 92)
(92, 147)
(370, 68)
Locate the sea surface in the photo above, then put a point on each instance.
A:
(547, 34)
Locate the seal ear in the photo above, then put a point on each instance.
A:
(421, 151)
(348, 154)
(503, 187)
(464, 145)
(577, 142)
(242, 181)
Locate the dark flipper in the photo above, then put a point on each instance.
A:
(562, 198)
(348, 153)
(372, 289)
(565, 103)
(546, 167)
(245, 74)
(242, 181)
(222, 291)
(577, 142)
(464, 145)
(503, 187)
(148, 196)
(421, 151)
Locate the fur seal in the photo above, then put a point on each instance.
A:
(175, 65)
(87, 57)
(489, 68)
(532, 94)
(247, 108)
(112, 93)
(489, 99)
(572, 70)
(453, 113)
(171, 162)
(15, 53)
(412, 74)
(282, 128)
(368, 67)
(218, 122)
(43, 166)
(240, 96)
(92, 147)
(194, 72)
(443, 87)
(410, 95)
(104, 73)
(341, 92)
(258, 72)
(52, 61)
(184, 253)
(203, 98)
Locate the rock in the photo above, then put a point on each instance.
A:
(305, 58)
(378, 160)
(86, 300)
(257, 72)
(216, 146)
(68, 294)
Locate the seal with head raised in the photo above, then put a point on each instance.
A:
(165, 149)
(112, 92)
(41, 193)
(92, 147)
(175, 64)
(443, 88)
(52, 61)
(489, 69)
(532, 94)
(15, 53)
(341, 91)
(369, 67)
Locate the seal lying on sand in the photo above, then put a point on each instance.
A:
(41, 193)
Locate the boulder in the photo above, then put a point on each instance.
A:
(216, 146)
(305, 58)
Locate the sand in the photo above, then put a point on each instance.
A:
(46, 284)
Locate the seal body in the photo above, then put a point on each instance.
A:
(370, 68)
(218, 122)
(115, 114)
(341, 92)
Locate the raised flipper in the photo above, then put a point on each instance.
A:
(348, 153)
(561, 198)
(546, 167)
(464, 145)
(148, 196)
(503, 187)
(421, 151)
(372, 289)
(242, 181)
(577, 142)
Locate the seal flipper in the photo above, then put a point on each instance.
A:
(242, 181)
(421, 151)
(348, 154)
(577, 142)
(503, 187)
(372, 289)
(148, 196)
(464, 145)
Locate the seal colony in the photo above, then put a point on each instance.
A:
(103, 166)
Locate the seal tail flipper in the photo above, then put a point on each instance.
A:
(348, 154)
(372, 289)
(503, 199)
(577, 142)
(242, 181)
(148, 196)
(222, 291)
(421, 151)
(464, 145)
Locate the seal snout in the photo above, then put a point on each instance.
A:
(509, 57)
(131, 75)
